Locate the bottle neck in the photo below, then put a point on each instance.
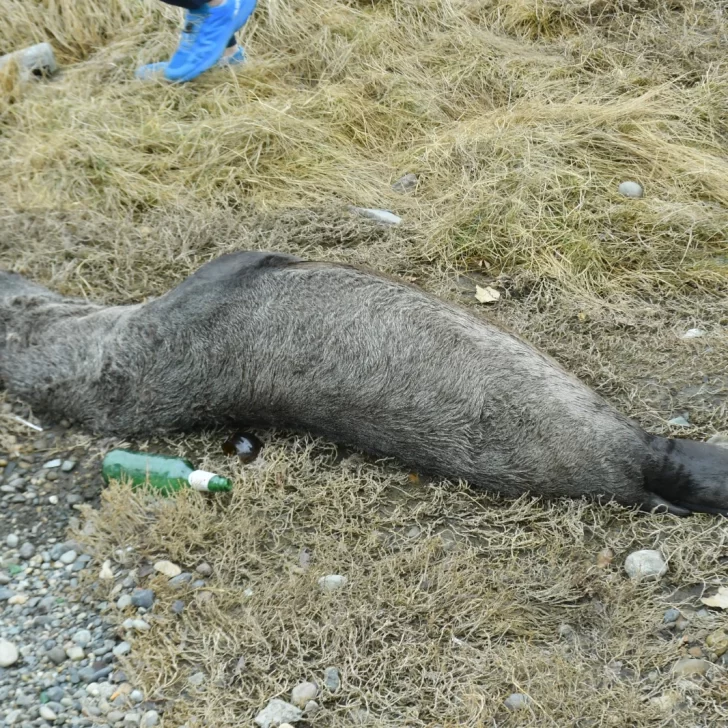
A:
(207, 482)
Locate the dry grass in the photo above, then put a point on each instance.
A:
(520, 118)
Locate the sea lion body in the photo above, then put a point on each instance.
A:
(344, 353)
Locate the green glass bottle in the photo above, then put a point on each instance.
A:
(162, 472)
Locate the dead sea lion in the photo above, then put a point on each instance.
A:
(256, 338)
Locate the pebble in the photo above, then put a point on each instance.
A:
(332, 582)
(75, 653)
(671, 616)
(679, 422)
(517, 701)
(276, 712)
(46, 713)
(178, 606)
(123, 648)
(204, 569)
(57, 655)
(312, 707)
(631, 189)
(115, 716)
(106, 572)
(53, 464)
(27, 551)
(690, 666)
(666, 701)
(693, 334)
(68, 466)
(82, 637)
(645, 564)
(68, 557)
(405, 184)
(142, 598)
(12, 541)
(303, 693)
(718, 642)
(150, 719)
(197, 679)
(123, 601)
(332, 679)
(167, 568)
(181, 579)
(8, 653)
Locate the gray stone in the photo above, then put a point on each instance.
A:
(303, 693)
(645, 564)
(13, 717)
(123, 601)
(332, 582)
(276, 712)
(47, 714)
(8, 653)
(178, 606)
(204, 569)
(150, 719)
(27, 551)
(57, 655)
(631, 189)
(68, 466)
(82, 637)
(75, 653)
(689, 666)
(68, 557)
(671, 616)
(517, 701)
(123, 648)
(5, 594)
(142, 598)
(180, 580)
(405, 184)
(332, 679)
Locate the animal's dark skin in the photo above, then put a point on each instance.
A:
(258, 338)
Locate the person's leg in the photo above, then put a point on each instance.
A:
(222, 20)
(193, 18)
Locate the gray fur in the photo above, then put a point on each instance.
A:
(361, 359)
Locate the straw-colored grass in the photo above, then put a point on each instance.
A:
(520, 118)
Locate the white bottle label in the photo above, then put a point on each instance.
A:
(198, 479)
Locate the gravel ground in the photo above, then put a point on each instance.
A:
(61, 652)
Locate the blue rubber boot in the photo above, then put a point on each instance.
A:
(155, 70)
(219, 25)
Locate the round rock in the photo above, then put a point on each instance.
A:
(303, 693)
(690, 666)
(631, 189)
(516, 701)
(167, 568)
(332, 679)
(8, 653)
(645, 564)
(332, 582)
